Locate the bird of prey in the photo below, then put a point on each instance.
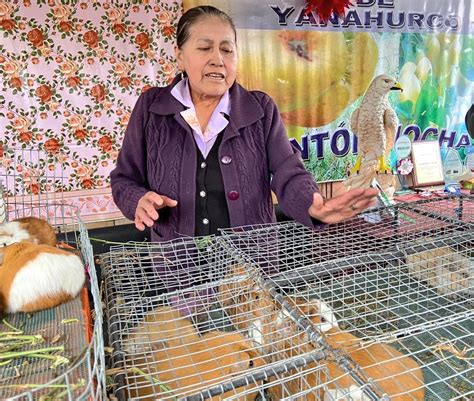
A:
(375, 123)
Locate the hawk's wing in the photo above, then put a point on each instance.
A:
(390, 121)
(355, 121)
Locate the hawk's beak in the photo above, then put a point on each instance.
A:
(396, 87)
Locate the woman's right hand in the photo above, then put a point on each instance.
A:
(147, 209)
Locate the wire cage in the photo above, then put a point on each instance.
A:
(377, 307)
(454, 207)
(185, 321)
(59, 352)
(392, 294)
(31, 177)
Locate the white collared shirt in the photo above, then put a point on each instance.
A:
(204, 140)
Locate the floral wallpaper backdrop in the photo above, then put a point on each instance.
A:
(70, 73)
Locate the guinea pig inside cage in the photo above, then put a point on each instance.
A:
(396, 296)
(52, 346)
(224, 337)
(282, 312)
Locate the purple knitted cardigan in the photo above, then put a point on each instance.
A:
(159, 154)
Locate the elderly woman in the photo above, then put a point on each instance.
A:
(204, 153)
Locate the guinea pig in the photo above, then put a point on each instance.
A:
(448, 271)
(36, 277)
(245, 303)
(397, 375)
(187, 369)
(31, 229)
(253, 311)
(164, 326)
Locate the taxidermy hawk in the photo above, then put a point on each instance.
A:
(375, 123)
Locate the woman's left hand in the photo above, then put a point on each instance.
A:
(344, 206)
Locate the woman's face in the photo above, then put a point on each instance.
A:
(209, 57)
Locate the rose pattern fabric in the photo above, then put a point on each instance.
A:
(70, 73)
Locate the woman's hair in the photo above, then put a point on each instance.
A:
(195, 15)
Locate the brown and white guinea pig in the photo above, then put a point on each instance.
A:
(253, 311)
(244, 301)
(36, 277)
(277, 333)
(396, 374)
(164, 326)
(31, 229)
(187, 369)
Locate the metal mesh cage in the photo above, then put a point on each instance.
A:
(74, 366)
(458, 208)
(377, 307)
(186, 321)
(31, 177)
(392, 291)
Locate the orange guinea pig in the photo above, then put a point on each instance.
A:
(246, 304)
(164, 326)
(31, 229)
(35, 277)
(174, 372)
(397, 375)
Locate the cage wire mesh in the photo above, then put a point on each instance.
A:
(31, 177)
(186, 320)
(458, 207)
(377, 307)
(392, 295)
(76, 370)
